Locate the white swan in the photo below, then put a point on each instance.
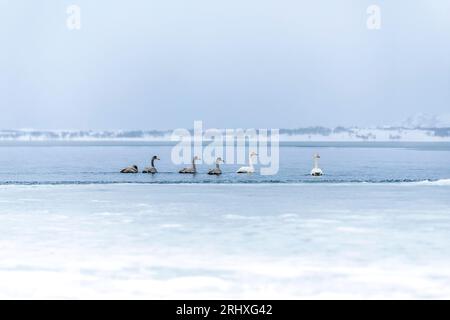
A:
(316, 171)
(250, 168)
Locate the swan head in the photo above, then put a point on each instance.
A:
(219, 160)
(135, 166)
(196, 158)
(316, 156)
(253, 154)
(156, 158)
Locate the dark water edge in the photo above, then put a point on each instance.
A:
(212, 182)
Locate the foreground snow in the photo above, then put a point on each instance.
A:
(225, 241)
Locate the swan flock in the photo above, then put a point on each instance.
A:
(316, 171)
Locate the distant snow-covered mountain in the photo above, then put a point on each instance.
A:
(420, 127)
(423, 120)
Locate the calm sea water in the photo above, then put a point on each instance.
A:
(78, 163)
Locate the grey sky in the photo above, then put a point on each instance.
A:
(145, 64)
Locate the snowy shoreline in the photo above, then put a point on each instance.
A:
(309, 134)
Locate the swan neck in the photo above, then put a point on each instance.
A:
(250, 161)
(153, 162)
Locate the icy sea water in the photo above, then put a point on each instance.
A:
(100, 163)
(65, 233)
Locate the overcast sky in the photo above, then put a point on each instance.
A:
(146, 64)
